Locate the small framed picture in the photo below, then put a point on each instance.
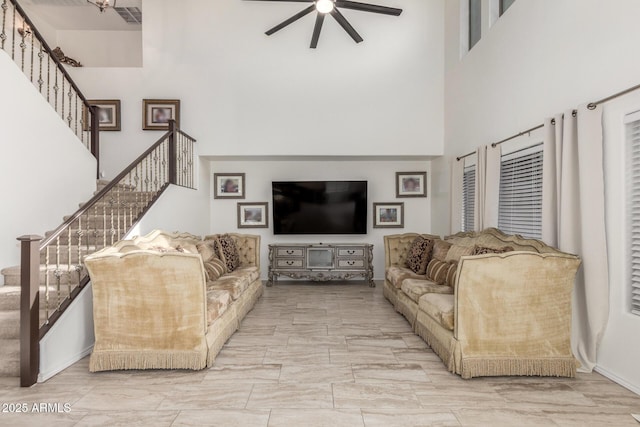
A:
(156, 113)
(108, 115)
(228, 185)
(388, 215)
(253, 215)
(411, 184)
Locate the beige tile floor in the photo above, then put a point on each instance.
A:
(319, 355)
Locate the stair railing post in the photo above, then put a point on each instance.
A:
(29, 309)
(95, 137)
(173, 161)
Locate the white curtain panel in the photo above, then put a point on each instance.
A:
(573, 219)
(480, 187)
(492, 186)
(457, 173)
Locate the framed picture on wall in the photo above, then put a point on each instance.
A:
(108, 115)
(253, 215)
(156, 113)
(228, 185)
(388, 215)
(411, 184)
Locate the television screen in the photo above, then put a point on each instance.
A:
(320, 207)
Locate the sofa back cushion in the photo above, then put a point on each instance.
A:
(481, 250)
(419, 255)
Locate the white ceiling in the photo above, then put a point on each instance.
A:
(80, 15)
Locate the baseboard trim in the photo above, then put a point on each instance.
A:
(44, 376)
(613, 377)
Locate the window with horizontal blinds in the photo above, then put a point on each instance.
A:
(633, 208)
(468, 197)
(520, 206)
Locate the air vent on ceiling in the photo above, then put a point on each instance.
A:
(131, 15)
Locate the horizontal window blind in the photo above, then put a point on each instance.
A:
(468, 197)
(520, 206)
(633, 210)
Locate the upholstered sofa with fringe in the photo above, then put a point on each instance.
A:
(489, 304)
(169, 300)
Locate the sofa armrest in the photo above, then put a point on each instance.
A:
(148, 300)
(515, 304)
(396, 247)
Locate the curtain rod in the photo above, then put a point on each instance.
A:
(590, 106)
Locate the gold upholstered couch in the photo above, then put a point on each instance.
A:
(490, 304)
(170, 300)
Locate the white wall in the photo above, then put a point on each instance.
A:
(45, 170)
(244, 93)
(379, 173)
(102, 48)
(540, 58)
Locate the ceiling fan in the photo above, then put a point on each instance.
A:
(324, 7)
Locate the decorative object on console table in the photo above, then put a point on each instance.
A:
(228, 186)
(411, 184)
(156, 113)
(253, 215)
(108, 114)
(388, 215)
(321, 262)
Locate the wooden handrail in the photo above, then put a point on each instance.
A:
(41, 39)
(95, 199)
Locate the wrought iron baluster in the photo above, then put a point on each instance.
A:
(31, 67)
(62, 99)
(47, 283)
(70, 95)
(3, 34)
(48, 78)
(57, 273)
(13, 36)
(55, 90)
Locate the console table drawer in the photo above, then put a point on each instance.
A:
(350, 263)
(347, 252)
(289, 252)
(289, 263)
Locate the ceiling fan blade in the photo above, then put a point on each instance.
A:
(316, 30)
(345, 24)
(291, 20)
(365, 7)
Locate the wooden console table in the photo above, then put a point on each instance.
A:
(321, 262)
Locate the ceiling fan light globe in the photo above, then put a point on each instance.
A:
(324, 6)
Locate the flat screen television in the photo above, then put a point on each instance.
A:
(319, 207)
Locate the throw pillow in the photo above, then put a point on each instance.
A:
(419, 254)
(214, 268)
(227, 251)
(456, 251)
(205, 249)
(437, 271)
(479, 250)
(440, 249)
(452, 274)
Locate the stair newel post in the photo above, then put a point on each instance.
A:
(29, 309)
(173, 163)
(95, 137)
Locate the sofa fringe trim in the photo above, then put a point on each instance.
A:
(551, 367)
(442, 351)
(135, 359)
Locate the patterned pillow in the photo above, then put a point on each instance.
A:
(479, 250)
(440, 249)
(437, 271)
(214, 268)
(227, 251)
(419, 255)
(452, 274)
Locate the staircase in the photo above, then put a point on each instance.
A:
(66, 255)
